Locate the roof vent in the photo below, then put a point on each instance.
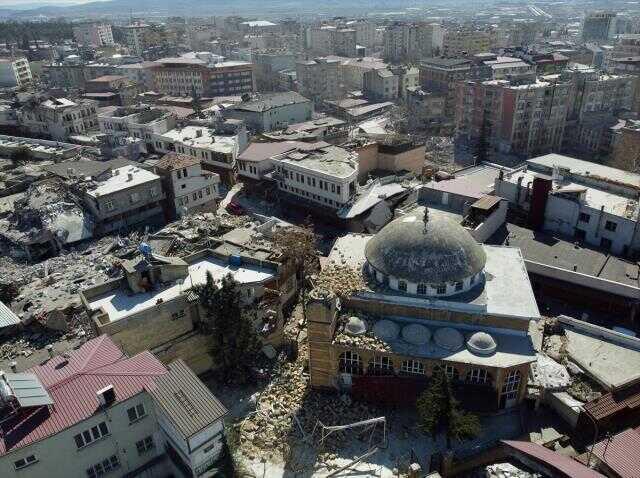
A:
(129, 176)
(106, 396)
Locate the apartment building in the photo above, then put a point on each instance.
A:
(318, 39)
(343, 42)
(365, 32)
(318, 79)
(268, 64)
(95, 411)
(402, 41)
(456, 43)
(75, 74)
(272, 111)
(583, 200)
(123, 198)
(137, 37)
(441, 76)
(598, 26)
(182, 76)
(408, 77)
(58, 118)
(93, 34)
(319, 174)
(140, 123)
(188, 187)
(139, 73)
(15, 72)
(425, 110)
(525, 118)
(380, 85)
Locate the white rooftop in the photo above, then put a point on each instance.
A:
(118, 303)
(121, 179)
(189, 136)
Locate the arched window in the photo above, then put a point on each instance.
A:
(422, 289)
(412, 367)
(402, 285)
(380, 365)
(441, 289)
(451, 372)
(350, 362)
(479, 376)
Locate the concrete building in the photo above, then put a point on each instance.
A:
(268, 64)
(343, 42)
(93, 34)
(411, 41)
(111, 90)
(433, 309)
(256, 162)
(38, 148)
(592, 203)
(352, 70)
(625, 146)
(426, 110)
(188, 187)
(15, 72)
(463, 42)
(441, 76)
(123, 198)
(137, 37)
(318, 79)
(365, 32)
(598, 26)
(183, 75)
(321, 175)
(525, 118)
(97, 411)
(380, 85)
(139, 73)
(272, 111)
(318, 39)
(58, 118)
(140, 123)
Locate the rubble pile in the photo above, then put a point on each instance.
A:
(440, 150)
(550, 374)
(507, 470)
(342, 280)
(368, 341)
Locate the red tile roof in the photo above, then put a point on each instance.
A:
(621, 453)
(561, 463)
(614, 402)
(72, 383)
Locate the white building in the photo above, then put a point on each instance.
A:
(140, 73)
(319, 173)
(59, 118)
(95, 411)
(272, 111)
(188, 188)
(583, 200)
(255, 161)
(141, 123)
(136, 37)
(14, 72)
(93, 34)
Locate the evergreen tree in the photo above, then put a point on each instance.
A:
(439, 412)
(482, 147)
(235, 345)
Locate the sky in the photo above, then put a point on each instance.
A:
(34, 3)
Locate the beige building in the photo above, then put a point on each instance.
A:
(434, 299)
(380, 85)
(59, 118)
(425, 110)
(15, 72)
(93, 34)
(318, 79)
(456, 43)
(96, 411)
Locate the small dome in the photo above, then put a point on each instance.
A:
(355, 326)
(435, 251)
(481, 343)
(448, 339)
(416, 334)
(386, 330)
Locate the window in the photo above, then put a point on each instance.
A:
(412, 367)
(136, 413)
(208, 190)
(153, 192)
(338, 189)
(580, 234)
(145, 445)
(177, 315)
(109, 206)
(610, 226)
(23, 462)
(200, 194)
(583, 217)
(134, 198)
(441, 289)
(422, 289)
(350, 362)
(458, 286)
(402, 285)
(511, 385)
(605, 243)
(478, 375)
(333, 188)
(380, 366)
(451, 372)
(89, 436)
(104, 467)
(184, 170)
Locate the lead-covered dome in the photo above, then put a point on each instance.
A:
(432, 250)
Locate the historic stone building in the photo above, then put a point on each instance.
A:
(435, 299)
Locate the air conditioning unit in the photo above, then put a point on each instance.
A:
(106, 396)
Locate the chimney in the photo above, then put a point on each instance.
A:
(129, 176)
(106, 396)
(198, 133)
(14, 366)
(50, 350)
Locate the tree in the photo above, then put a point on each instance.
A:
(298, 244)
(439, 412)
(235, 345)
(196, 104)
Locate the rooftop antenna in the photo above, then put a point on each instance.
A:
(425, 218)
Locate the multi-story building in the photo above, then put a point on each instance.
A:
(141, 123)
(74, 74)
(402, 41)
(123, 198)
(365, 32)
(95, 411)
(188, 188)
(438, 306)
(380, 85)
(343, 42)
(185, 75)
(456, 43)
(441, 76)
(625, 146)
(93, 34)
(268, 64)
(525, 118)
(271, 111)
(58, 118)
(408, 77)
(321, 175)
(318, 39)
(587, 201)
(425, 110)
(139, 73)
(318, 79)
(137, 37)
(598, 26)
(15, 72)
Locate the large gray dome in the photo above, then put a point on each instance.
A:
(440, 252)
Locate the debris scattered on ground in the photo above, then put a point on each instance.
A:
(507, 470)
(342, 280)
(549, 374)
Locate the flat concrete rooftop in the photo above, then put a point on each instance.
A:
(119, 303)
